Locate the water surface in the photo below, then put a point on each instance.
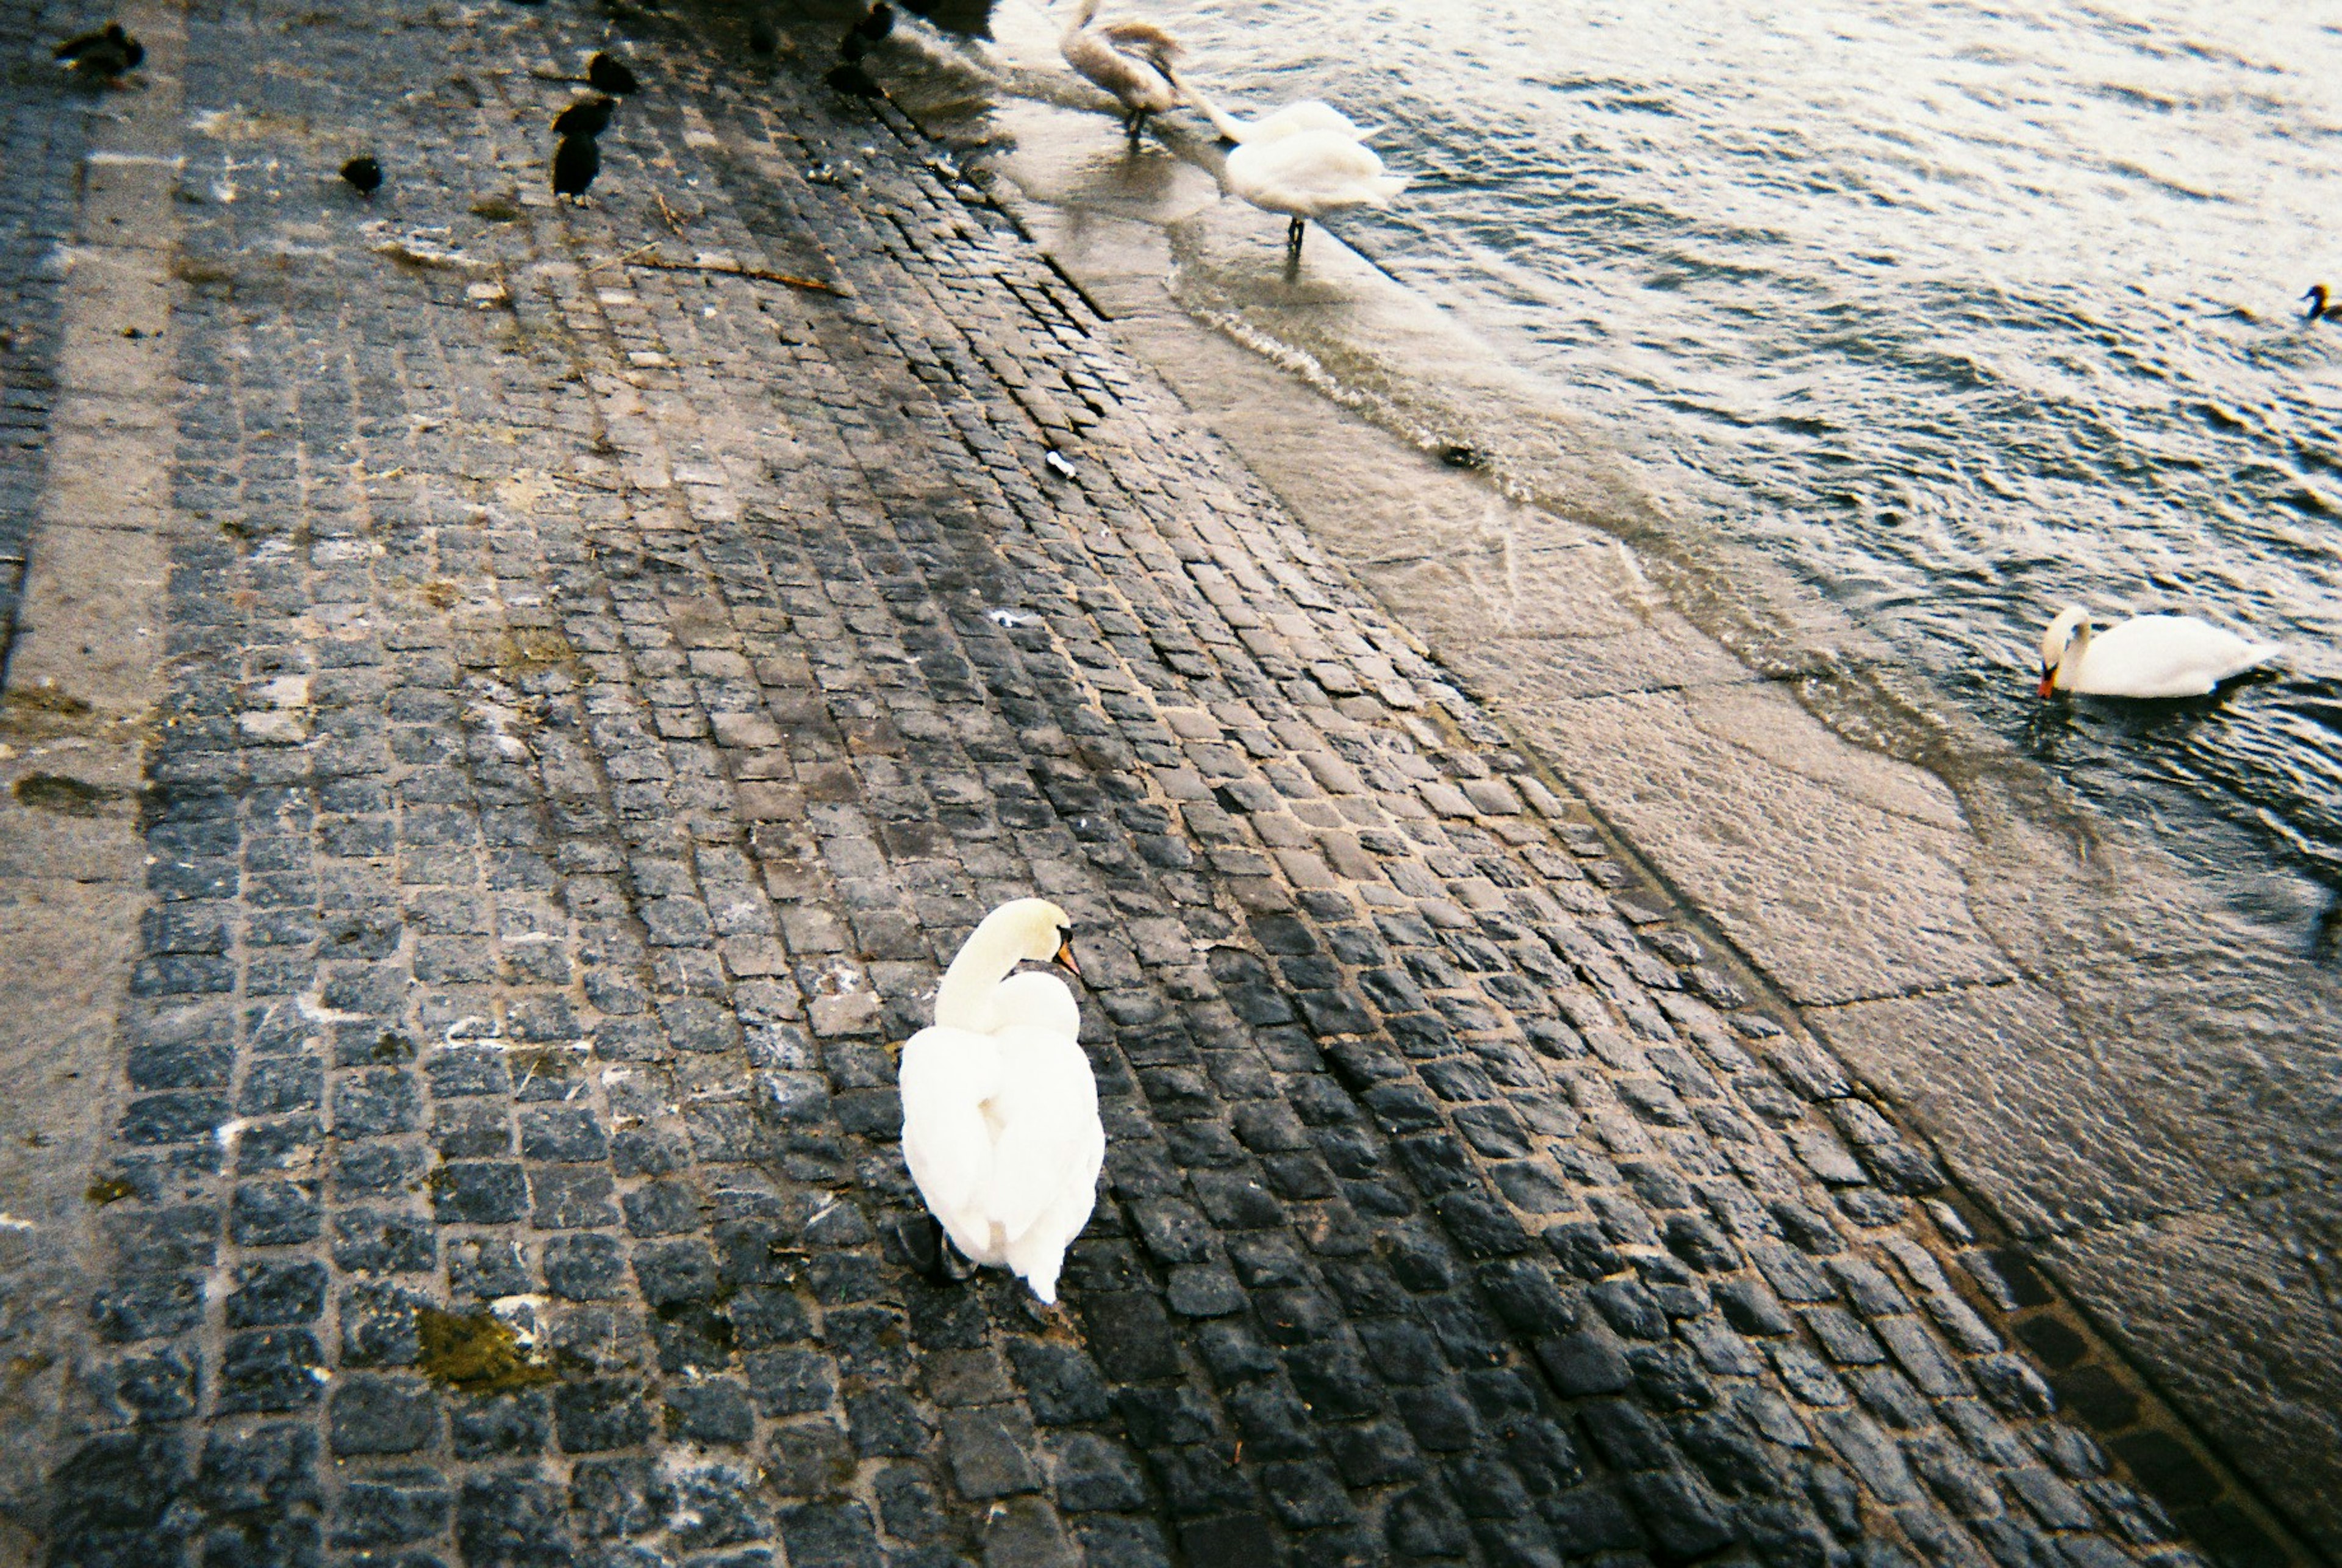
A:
(1960, 313)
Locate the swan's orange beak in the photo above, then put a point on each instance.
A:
(2048, 682)
(1065, 957)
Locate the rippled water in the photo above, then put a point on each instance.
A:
(1963, 312)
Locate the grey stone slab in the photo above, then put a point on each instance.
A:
(2237, 1057)
(2244, 1331)
(1525, 675)
(1835, 898)
(2025, 1112)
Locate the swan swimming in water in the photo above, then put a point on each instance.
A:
(1309, 174)
(2148, 656)
(1132, 60)
(1000, 1118)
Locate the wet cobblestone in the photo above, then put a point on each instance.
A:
(43, 135)
(602, 698)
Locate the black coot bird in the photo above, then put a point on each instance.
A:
(2318, 309)
(364, 173)
(611, 76)
(103, 55)
(586, 117)
(575, 161)
(854, 81)
(877, 24)
(852, 47)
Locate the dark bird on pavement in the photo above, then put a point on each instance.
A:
(586, 117)
(854, 81)
(851, 48)
(763, 36)
(2318, 309)
(878, 23)
(611, 76)
(104, 54)
(575, 161)
(363, 175)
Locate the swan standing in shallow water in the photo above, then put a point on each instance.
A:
(2150, 656)
(1132, 60)
(1000, 1118)
(1307, 174)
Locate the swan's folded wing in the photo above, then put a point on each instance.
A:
(947, 1075)
(1038, 1000)
(1309, 115)
(1050, 1137)
(1314, 169)
(2166, 656)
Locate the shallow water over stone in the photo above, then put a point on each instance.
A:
(1953, 316)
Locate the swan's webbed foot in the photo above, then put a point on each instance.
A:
(929, 1248)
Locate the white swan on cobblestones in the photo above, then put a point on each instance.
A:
(2148, 656)
(1000, 1118)
(1131, 60)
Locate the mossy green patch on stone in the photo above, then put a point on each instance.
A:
(520, 653)
(479, 1352)
(46, 700)
(58, 793)
(39, 711)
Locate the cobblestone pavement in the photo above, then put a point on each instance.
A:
(43, 133)
(603, 695)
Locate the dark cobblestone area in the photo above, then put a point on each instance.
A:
(44, 133)
(602, 698)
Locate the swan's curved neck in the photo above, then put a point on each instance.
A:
(1083, 15)
(963, 999)
(2070, 661)
(1231, 129)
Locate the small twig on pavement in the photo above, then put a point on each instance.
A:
(762, 274)
(630, 256)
